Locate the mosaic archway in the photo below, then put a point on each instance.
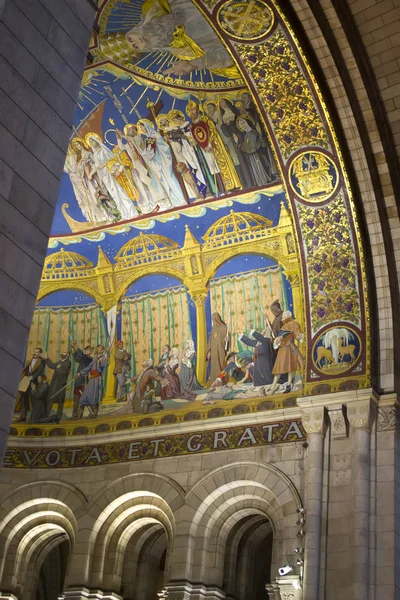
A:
(201, 136)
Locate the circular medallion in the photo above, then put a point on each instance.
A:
(245, 21)
(313, 176)
(336, 351)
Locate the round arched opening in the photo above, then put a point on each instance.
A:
(248, 557)
(144, 570)
(51, 576)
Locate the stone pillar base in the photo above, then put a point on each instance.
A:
(84, 593)
(289, 588)
(273, 591)
(187, 591)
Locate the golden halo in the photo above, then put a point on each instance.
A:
(208, 102)
(77, 140)
(145, 121)
(158, 119)
(247, 118)
(127, 126)
(92, 135)
(175, 113)
(231, 101)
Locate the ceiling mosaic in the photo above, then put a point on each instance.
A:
(205, 259)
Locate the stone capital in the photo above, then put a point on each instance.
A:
(361, 413)
(314, 419)
(388, 413)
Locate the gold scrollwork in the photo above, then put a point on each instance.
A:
(285, 93)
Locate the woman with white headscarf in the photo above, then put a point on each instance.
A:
(187, 373)
(101, 156)
(158, 156)
(170, 386)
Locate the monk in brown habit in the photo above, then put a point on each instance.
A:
(218, 346)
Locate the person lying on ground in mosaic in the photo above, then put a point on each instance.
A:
(240, 366)
(221, 389)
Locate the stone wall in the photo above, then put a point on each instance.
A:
(43, 47)
(344, 477)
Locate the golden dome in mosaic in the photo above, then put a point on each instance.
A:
(145, 244)
(65, 264)
(236, 223)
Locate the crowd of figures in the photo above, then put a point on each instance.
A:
(269, 365)
(171, 160)
(36, 396)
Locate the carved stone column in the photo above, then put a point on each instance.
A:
(314, 422)
(361, 415)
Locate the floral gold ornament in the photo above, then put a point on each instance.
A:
(331, 266)
(313, 176)
(285, 93)
(245, 21)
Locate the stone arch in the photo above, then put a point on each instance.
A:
(122, 512)
(47, 580)
(142, 563)
(219, 501)
(242, 546)
(33, 519)
(351, 90)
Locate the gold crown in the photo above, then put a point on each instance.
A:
(191, 104)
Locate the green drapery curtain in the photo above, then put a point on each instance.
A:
(151, 320)
(53, 329)
(244, 297)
